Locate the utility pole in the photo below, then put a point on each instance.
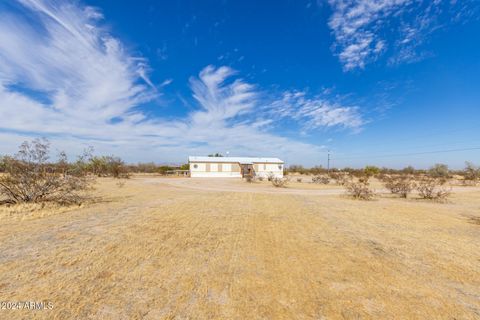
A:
(328, 162)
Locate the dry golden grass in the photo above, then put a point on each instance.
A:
(158, 249)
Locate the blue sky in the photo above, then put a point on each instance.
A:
(384, 82)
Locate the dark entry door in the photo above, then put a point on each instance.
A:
(247, 170)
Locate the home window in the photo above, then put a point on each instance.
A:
(195, 166)
(280, 167)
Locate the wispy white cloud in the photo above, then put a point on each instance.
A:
(64, 76)
(365, 29)
(86, 73)
(355, 25)
(316, 112)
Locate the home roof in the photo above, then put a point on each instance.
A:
(243, 160)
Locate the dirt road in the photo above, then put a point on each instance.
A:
(159, 250)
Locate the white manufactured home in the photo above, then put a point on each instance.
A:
(234, 167)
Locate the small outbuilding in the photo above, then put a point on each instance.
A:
(234, 167)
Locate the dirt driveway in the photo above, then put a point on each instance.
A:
(239, 185)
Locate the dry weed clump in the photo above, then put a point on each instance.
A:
(299, 179)
(433, 189)
(28, 211)
(321, 179)
(360, 190)
(120, 184)
(279, 182)
(401, 184)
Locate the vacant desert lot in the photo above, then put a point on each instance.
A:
(161, 248)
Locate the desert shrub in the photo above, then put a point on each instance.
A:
(432, 189)
(98, 166)
(360, 189)
(341, 178)
(163, 169)
(120, 183)
(321, 179)
(383, 176)
(260, 178)
(108, 166)
(147, 167)
(116, 167)
(279, 182)
(316, 170)
(401, 184)
(29, 177)
(299, 179)
(297, 168)
(471, 174)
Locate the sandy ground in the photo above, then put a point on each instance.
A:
(200, 249)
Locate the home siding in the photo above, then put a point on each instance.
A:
(221, 170)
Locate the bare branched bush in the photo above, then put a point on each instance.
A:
(321, 179)
(400, 184)
(433, 189)
(279, 182)
(29, 177)
(249, 179)
(270, 176)
(360, 189)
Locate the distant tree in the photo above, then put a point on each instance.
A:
(471, 173)
(164, 169)
(185, 166)
(371, 171)
(215, 155)
(297, 168)
(148, 167)
(408, 170)
(2, 164)
(439, 171)
(317, 170)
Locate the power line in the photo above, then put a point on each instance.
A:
(328, 162)
(410, 154)
(446, 145)
(437, 133)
